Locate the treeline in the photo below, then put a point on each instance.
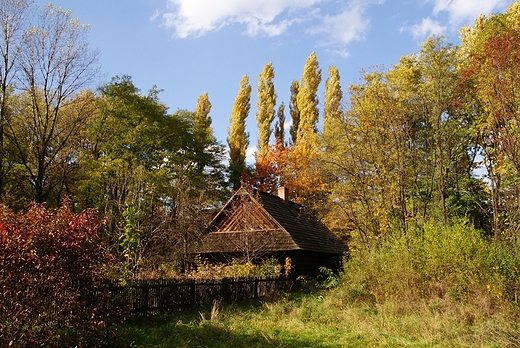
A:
(404, 145)
(148, 172)
(435, 137)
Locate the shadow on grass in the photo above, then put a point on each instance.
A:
(188, 329)
(206, 334)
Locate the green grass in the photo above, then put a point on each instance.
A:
(322, 319)
(434, 287)
(246, 325)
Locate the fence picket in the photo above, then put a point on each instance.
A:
(159, 295)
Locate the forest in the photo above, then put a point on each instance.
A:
(435, 137)
(431, 142)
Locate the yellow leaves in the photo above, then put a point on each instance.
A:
(513, 15)
(203, 106)
(306, 99)
(265, 106)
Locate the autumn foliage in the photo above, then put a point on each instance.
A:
(48, 260)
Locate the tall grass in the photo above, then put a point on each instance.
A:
(444, 282)
(434, 287)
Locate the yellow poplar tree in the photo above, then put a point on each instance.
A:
(202, 120)
(307, 99)
(333, 97)
(238, 138)
(279, 130)
(294, 111)
(265, 106)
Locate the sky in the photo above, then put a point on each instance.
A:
(188, 47)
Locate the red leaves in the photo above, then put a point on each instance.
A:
(47, 261)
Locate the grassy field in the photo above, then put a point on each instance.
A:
(322, 319)
(433, 287)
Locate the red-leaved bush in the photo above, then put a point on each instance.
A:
(49, 261)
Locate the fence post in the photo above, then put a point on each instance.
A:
(226, 289)
(192, 292)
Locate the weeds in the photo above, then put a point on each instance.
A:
(434, 287)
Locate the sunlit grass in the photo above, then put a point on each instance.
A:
(437, 288)
(323, 320)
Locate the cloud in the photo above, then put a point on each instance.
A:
(463, 11)
(426, 28)
(344, 27)
(334, 23)
(251, 155)
(459, 12)
(198, 17)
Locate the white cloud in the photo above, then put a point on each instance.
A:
(459, 12)
(250, 155)
(155, 15)
(463, 11)
(344, 27)
(335, 23)
(426, 28)
(198, 17)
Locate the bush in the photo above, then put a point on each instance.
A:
(435, 263)
(48, 261)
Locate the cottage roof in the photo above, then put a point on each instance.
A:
(261, 221)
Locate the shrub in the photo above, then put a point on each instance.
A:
(48, 261)
(434, 263)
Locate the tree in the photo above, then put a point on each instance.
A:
(490, 61)
(301, 174)
(333, 98)
(402, 152)
(294, 111)
(438, 67)
(307, 99)
(265, 106)
(13, 21)
(279, 129)
(56, 64)
(150, 172)
(202, 121)
(208, 153)
(129, 149)
(238, 138)
(269, 166)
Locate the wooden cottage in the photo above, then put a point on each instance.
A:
(258, 225)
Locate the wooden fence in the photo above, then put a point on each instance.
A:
(154, 296)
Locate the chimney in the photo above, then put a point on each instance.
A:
(283, 193)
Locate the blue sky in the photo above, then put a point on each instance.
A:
(187, 47)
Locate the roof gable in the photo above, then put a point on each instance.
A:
(243, 213)
(281, 224)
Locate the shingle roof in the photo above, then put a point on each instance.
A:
(269, 223)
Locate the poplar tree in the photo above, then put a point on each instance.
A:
(238, 138)
(279, 130)
(307, 99)
(203, 132)
(333, 97)
(294, 111)
(208, 152)
(265, 106)
(301, 173)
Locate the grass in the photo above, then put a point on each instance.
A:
(434, 287)
(323, 319)
(246, 325)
